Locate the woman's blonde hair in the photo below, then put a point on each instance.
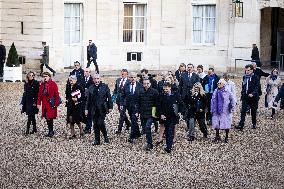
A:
(171, 78)
(201, 90)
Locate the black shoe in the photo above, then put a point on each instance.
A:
(34, 131)
(253, 126)
(167, 150)
(239, 127)
(72, 137)
(191, 138)
(158, 143)
(107, 140)
(138, 135)
(205, 135)
(50, 134)
(226, 140)
(130, 140)
(118, 132)
(95, 143)
(217, 139)
(148, 147)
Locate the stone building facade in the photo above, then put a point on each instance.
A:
(135, 34)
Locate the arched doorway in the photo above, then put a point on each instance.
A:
(271, 35)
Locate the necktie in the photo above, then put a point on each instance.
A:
(121, 83)
(132, 89)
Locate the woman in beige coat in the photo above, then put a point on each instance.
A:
(272, 84)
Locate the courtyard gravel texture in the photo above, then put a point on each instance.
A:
(251, 159)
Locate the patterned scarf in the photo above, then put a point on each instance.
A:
(220, 100)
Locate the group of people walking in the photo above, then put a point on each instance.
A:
(189, 93)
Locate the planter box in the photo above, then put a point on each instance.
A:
(12, 74)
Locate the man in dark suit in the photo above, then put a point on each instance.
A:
(79, 73)
(255, 55)
(180, 71)
(2, 58)
(162, 82)
(145, 74)
(259, 73)
(99, 104)
(92, 55)
(45, 59)
(249, 96)
(130, 101)
(209, 85)
(187, 80)
(88, 81)
(120, 84)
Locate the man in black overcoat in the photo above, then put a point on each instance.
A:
(99, 104)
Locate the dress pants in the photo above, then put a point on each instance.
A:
(253, 104)
(134, 133)
(146, 124)
(99, 125)
(169, 132)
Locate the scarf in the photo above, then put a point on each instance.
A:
(219, 100)
(210, 83)
(248, 77)
(274, 77)
(45, 88)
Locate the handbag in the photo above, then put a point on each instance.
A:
(52, 101)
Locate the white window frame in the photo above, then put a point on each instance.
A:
(203, 43)
(74, 17)
(134, 23)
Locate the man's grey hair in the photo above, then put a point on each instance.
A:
(73, 77)
(96, 75)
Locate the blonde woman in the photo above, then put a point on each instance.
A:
(196, 111)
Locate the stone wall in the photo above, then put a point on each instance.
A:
(169, 32)
(30, 13)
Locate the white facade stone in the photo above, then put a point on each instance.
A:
(169, 35)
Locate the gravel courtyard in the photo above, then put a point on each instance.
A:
(251, 159)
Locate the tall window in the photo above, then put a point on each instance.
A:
(204, 17)
(134, 23)
(72, 12)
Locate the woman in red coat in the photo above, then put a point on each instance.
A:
(48, 99)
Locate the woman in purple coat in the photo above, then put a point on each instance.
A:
(222, 104)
